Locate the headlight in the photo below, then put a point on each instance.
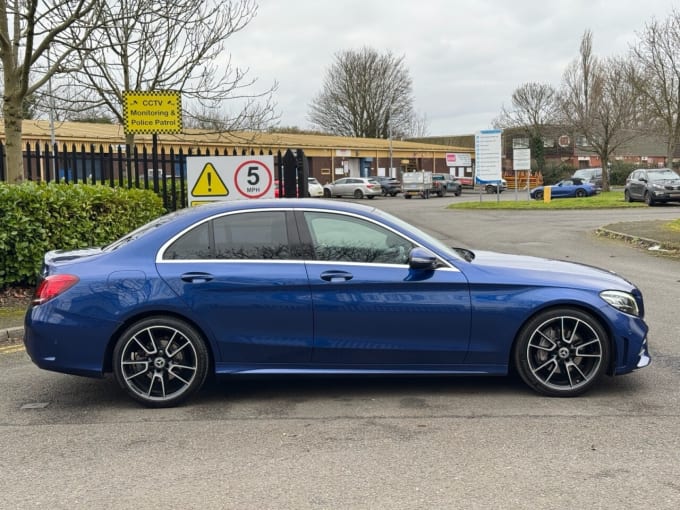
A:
(658, 186)
(621, 301)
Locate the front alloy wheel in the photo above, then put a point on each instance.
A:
(562, 352)
(160, 361)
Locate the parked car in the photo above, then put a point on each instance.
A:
(312, 286)
(591, 175)
(652, 185)
(314, 187)
(447, 184)
(566, 188)
(355, 187)
(390, 186)
(496, 187)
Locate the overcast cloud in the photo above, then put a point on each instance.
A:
(465, 57)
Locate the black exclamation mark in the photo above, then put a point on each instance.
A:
(209, 182)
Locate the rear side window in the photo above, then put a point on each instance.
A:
(253, 235)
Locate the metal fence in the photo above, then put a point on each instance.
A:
(163, 171)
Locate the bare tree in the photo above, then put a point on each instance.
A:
(365, 94)
(146, 45)
(599, 102)
(535, 109)
(29, 30)
(655, 63)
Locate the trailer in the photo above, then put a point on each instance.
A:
(417, 183)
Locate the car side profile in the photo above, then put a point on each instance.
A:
(566, 188)
(652, 186)
(355, 187)
(311, 286)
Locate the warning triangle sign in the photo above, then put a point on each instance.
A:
(209, 183)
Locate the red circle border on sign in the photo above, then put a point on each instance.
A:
(259, 163)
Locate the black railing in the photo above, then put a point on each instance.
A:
(164, 172)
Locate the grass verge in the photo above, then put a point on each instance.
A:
(607, 200)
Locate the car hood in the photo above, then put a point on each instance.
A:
(522, 269)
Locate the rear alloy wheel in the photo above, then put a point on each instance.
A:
(580, 193)
(562, 352)
(160, 361)
(626, 196)
(358, 194)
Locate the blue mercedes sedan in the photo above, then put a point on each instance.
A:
(307, 286)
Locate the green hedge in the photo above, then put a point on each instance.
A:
(36, 218)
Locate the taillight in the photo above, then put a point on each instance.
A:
(52, 286)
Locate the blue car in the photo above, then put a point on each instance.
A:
(316, 287)
(567, 188)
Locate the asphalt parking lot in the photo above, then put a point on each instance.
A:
(343, 442)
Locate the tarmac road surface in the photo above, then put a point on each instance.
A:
(373, 443)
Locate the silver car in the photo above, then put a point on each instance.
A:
(355, 187)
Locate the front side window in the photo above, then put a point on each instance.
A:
(342, 238)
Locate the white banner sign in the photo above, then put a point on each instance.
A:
(521, 159)
(458, 159)
(488, 156)
(221, 178)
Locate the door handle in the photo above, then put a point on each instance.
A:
(336, 276)
(196, 277)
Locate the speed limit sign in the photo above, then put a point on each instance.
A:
(219, 178)
(254, 178)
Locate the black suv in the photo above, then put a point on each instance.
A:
(652, 185)
(390, 186)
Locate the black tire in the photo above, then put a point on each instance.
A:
(370, 197)
(407, 196)
(327, 193)
(649, 199)
(538, 195)
(562, 352)
(580, 193)
(490, 189)
(160, 361)
(358, 194)
(393, 194)
(441, 193)
(626, 196)
(458, 192)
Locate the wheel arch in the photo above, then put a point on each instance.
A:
(592, 311)
(129, 321)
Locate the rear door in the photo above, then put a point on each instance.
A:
(243, 282)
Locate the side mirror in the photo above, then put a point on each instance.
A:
(422, 259)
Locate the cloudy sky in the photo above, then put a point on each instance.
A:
(465, 57)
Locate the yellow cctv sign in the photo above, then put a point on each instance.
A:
(156, 111)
